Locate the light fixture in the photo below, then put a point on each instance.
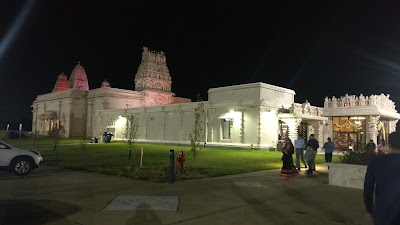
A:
(357, 118)
(357, 121)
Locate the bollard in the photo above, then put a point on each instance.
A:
(171, 168)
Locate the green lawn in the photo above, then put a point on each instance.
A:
(112, 159)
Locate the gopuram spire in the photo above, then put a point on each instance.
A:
(153, 72)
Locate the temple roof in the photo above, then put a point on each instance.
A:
(78, 79)
(105, 84)
(61, 83)
(153, 72)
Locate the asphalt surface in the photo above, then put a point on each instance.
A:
(51, 195)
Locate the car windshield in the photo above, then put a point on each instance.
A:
(4, 145)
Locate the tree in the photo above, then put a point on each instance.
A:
(197, 135)
(131, 132)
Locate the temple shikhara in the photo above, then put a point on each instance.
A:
(256, 114)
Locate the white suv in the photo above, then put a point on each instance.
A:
(17, 160)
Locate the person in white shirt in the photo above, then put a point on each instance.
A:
(299, 145)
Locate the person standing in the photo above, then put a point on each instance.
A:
(329, 147)
(288, 169)
(382, 148)
(314, 145)
(383, 179)
(310, 157)
(180, 159)
(370, 147)
(299, 145)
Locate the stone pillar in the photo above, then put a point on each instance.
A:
(164, 124)
(372, 128)
(242, 140)
(181, 125)
(101, 125)
(105, 104)
(318, 132)
(293, 124)
(69, 119)
(147, 121)
(35, 127)
(210, 122)
(91, 118)
(259, 126)
(205, 123)
(392, 126)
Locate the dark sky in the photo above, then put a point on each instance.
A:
(316, 48)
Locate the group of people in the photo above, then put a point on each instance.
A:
(381, 149)
(289, 169)
(382, 179)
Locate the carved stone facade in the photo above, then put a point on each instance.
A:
(153, 72)
(105, 84)
(356, 101)
(255, 115)
(78, 79)
(79, 104)
(358, 119)
(61, 83)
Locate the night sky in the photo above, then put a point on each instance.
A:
(316, 48)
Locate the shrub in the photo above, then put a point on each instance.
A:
(358, 158)
(3, 135)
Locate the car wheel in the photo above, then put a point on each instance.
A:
(21, 166)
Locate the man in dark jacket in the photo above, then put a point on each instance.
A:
(370, 147)
(383, 177)
(315, 145)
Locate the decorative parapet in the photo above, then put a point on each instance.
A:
(306, 109)
(69, 93)
(382, 101)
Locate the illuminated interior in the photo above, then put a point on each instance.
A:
(349, 133)
(228, 120)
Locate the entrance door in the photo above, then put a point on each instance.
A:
(226, 129)
(352, 140)
(349, 141)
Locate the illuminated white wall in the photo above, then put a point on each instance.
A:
(172, 126)
(254, 119)
(68, 105)
(276, 96)
(269, 128)
(250, 127)
(234, 93)
(251, 124)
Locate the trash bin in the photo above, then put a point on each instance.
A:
(94, 140)
(107, 137)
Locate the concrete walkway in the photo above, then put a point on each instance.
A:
(252, 198)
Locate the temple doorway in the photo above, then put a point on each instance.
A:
(350, 141)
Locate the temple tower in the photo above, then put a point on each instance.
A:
(153, 72)
(61, 83)
(153, 78)
(78, 79)
(105, 84)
